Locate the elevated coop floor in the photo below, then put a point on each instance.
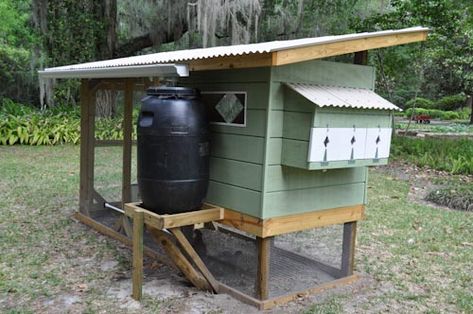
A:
(232, 257)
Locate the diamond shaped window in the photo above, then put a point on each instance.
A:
(226, 108)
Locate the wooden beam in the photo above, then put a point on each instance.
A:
(269, 304)
(291, 223)
(343, 47)
(87, 126)
(180, 260)
(263, 246)
(213, 213)
(361, 57)
(137, 270)
(127, 142)
(348, 248)
(232, 62)
(187, 247)
(97, 226)
(223, 288)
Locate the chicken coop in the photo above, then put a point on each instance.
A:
(292, 134)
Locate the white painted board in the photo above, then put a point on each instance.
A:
(335, 144)
(378, 143)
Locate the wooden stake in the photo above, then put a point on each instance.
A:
(137, 255)
(187, 247)
(348, 250)
(262, 281)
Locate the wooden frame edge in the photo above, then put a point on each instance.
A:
(292, 223)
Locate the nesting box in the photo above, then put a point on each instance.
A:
(292, 139)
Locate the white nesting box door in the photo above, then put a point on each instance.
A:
(378, 143)
(337, 144)
(334, 144)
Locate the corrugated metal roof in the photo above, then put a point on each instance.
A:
(182, 56)
(335, 96)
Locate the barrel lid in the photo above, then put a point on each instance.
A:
(172, 91)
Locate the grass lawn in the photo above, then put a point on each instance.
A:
(415, 258)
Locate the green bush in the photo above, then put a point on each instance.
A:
(438, 114)
(449, 103)
(455, 156)
(59, 125)
(419, 102)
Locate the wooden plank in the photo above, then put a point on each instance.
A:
(187, 247)
(262, 281)
(344, 47)
(237, 198)
(180, 260)
(291, 223)
(127, 142)
(238, 173)
(347, 118)
(280, 178)
(311, 199)
(348, 248)
(269, 304)
(190, 218)
(118, 236)
(274, 150)
(217, 78)
(243, 222)
(318, 72)
(230, 146)
(309, 220)
(297, 125)
(160, 222)
(84, 147)
(232, 62)
(137, 270)
(223, 288)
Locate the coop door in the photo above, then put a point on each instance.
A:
(378, 143)
(334, 144)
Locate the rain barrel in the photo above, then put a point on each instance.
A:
(173, 150)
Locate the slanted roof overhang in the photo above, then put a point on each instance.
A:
(343, 97)
(265, 54)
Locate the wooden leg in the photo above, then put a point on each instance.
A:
(348, 250)
(127, 143)
(87, 124)
(262, 281)
(137, 254)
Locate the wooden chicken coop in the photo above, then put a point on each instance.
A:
(292, 137)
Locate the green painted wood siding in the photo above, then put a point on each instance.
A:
(237, 153)
(290, 189)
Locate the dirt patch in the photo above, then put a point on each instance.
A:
(423, 180)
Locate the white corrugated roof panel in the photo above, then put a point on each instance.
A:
(345, 97)
(182, 56)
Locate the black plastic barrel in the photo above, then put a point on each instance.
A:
(173, 150)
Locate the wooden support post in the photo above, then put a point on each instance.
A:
(361, 57)
(87, 126)
(263, 246)
(187, 247)
(127, 142)
(138, 227)
(348, 250)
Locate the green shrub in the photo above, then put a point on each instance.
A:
(437, 114)
(8, 106)
(58, 125)
(419, 102)
(449, 103)
(455, 156)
